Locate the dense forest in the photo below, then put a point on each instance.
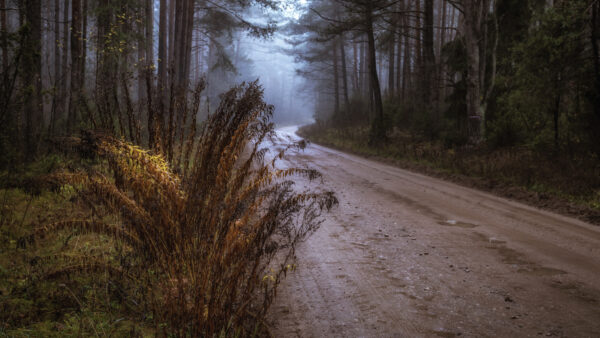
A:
(507, 91)
(503, 72)
(140, 179)
(119, 66)
(139, 193)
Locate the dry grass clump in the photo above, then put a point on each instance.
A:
(204, 241)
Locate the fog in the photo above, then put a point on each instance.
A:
(272, 62)
(276, 71)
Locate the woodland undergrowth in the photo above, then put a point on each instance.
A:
(194, 246)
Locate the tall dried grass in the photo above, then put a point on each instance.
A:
(205, 238)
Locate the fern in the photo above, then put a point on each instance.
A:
(208, 234)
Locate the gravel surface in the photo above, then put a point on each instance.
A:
(406, 255)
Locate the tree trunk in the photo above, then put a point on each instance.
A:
(162, 47)
(399, 41)
(149, 32)
(177, 62)
(84, 17)
(163, 62)
(107, 65)
(419, 41)
(406, 75)
(363, 71)
(472, 27)
(184, 15)
(596, 54)
(4, 42)
(380, 68)
(442, 43)
(76, 54)
(344, 73)
(398, 81)
(428, 54)
(32, 64)
(57, 67)
(189, 35)
(336, 77)
(355, 76)
(171, 57)
(142, 67)
(378, 129)
(63, 108)
(392, 66)
(556, 114)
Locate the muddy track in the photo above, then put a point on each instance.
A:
(406, 255)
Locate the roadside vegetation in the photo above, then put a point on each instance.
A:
(119, 241)
(138, 193)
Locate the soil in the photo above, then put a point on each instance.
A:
(407, 255)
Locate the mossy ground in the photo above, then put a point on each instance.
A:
(34, 306)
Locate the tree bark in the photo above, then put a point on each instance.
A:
(57, 67)
(473, 11)
(107, 65)
(355, 68)
(76, 54)
(344, 73)
(149, 32)
(378, 128)
(399, 42)
(83, 58)
(4, 42)
(419, 40)
(336, 78)
(189, 35)
(162, 47)
(365, 92)
(406, 73)
(391, 62)
(475, 17)
(442, 43)
(163, 62)
(63, 108)
(171, 24)
(184, 15)
(33, 76)
(428, 54)
(596, 54)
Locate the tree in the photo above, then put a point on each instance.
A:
(475, 14)
(363, 16)
(76, 63)
(551, 66)
(32, 75)
(3, 36)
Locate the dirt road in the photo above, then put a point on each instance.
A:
(405, 255)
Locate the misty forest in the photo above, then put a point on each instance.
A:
(195, 168)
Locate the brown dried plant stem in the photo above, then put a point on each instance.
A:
(209, 237)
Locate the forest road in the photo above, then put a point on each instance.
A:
(406, 255)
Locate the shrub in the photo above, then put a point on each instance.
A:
(205, 243)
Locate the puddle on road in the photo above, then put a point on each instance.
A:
(453, 223)
(444, 334)
(512, 257)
